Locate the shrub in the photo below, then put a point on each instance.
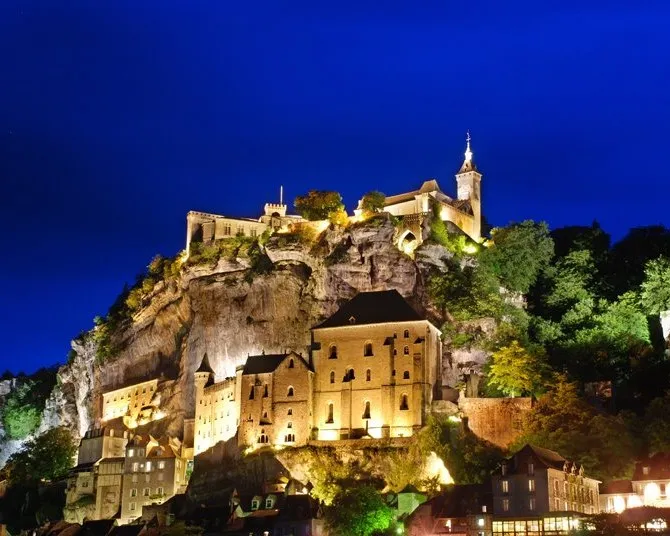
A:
(318, 205)
(372, 203)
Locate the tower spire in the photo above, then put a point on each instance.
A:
(468, 164)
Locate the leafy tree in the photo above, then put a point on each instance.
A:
(373, 202)
(318, 204)
(358, 510)
(657, 424)
(45, 457)
(516, 371)
(655, 289)
(466, 292)
(562, 421)
(519, 253)
(20, 415)
(468, 458)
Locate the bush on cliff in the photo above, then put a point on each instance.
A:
(318, 204)
(46, 457)
(358, 511)
(22, 410)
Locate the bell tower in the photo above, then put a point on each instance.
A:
(468, 180)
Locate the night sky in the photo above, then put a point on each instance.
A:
(115, 121)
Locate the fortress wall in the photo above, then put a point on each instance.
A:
(497, 420)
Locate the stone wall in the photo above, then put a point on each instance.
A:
(497, 420)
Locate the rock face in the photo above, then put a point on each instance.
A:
(227, 312)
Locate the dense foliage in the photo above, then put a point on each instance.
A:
(46, 457)
(23, 406)
(372, 203)
(358, 510)
(318, 204)
(515, 371)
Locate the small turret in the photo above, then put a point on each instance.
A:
(468, 180)
(204, 375)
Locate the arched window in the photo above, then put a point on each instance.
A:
(406, 334)
(332, 376)
(290, 411)
(349, 375)
(289, 425)
(368, 375)
(403, 402)
(368, 349)
(405, 375)
(265, 391)
(290, 391)
(405, 350)
(366, 411)
(329, 419)
(251, 394)
(290, 363)
(395, 351)
(332, 354)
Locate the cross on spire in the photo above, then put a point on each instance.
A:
(468, 151)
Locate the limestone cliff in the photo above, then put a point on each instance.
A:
(227, 312)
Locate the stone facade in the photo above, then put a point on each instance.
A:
(129, 402)
(536, 481)
(374, 380)
(497, 420)
(206, 228)
(153, 472)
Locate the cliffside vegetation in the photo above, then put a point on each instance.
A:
(23, 406)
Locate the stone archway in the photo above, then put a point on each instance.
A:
(408, 242)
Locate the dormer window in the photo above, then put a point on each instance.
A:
(255, 503)
(269, 502)
(352, 319)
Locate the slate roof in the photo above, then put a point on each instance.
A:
(264, 363)
(659, 467)
(205, 366)
(372, 308)
(461, 501)
(548, 458)
(617, 487)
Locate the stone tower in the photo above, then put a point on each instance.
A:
(469, 181)
(203, 376)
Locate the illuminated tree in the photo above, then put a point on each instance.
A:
(318, 205)
(515, 371)
(358, 511)
(373, 202)
(655, 296)
(45, 457)
(519, 253)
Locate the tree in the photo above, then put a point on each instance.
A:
(562, 421)
(373, 202)
(657, 424)
(20, 415)
(45, 457)
(515, 371)
(655, 289)
(318, 204)
(519, 253)
(358, 510)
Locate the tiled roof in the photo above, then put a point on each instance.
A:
(372, 308)
(618, 487)
(259, 364)
(658, 467)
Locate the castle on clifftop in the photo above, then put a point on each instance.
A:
(464, 212)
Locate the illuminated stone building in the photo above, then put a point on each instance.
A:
(135, 404)
(203, 227)
(217, 408)
(154, 470)
(275, 400)
(536, 481)
(376, 363)
(94, 485)
(465, 211)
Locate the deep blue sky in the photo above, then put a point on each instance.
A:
(114, 121)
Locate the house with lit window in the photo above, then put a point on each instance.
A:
(376, 367)
(650, 486)
(464, 510)
(537, 480)
(154, 471)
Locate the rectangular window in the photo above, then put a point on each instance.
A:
(160, 477)
(159, 491)
(146, 492)
(134, 478)
(148, 468)
(133, 492)
(133, 506)
(531, 485)
(531, 504)
(505, 505)
(531, 469)
(557, 504)
(161, 465)
(504, 486)
(136, 467)
(131, 453)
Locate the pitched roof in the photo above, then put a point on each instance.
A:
(547, 457)
(461, 500)
(260, 364)
(205, 366)
(372, 308)
(616, 487)
(658, 467)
